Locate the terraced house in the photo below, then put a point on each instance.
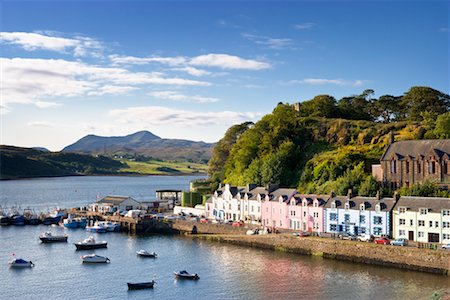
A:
(358, 215)
(306, 212)
(422, 219)
(408, 162)
(275, 208)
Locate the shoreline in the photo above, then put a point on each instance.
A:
(103, 175)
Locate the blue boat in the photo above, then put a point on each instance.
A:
(18, 220)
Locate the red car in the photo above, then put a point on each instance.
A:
(381, 240)
(238, 224)
(204, 221)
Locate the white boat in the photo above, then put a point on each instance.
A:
(21, 263)
(186, 275)
(90, 243)
(109, 226)
(145, 253)
(48, 237)
(98, 228)
(94, 258)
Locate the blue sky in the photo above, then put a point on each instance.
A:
(190, 69)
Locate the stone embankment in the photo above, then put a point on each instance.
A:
(411, 258)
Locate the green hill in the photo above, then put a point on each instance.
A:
(324, 145)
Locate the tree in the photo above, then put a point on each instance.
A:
(319, 106)
(442, 128)
(388, 109)
(420, 99)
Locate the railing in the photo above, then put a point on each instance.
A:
(427, 246)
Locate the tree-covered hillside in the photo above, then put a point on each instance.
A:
(323, 145)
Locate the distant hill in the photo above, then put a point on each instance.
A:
(17, 162)
(143, 143)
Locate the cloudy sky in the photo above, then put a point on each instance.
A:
(191, 69)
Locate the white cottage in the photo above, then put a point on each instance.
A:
(115, 203)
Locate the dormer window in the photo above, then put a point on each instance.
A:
(362, 207)
(423, 211)
(316, 204)
(377, 208)
(333, 205)
(304, 203)
(401, 210)
(347, 206)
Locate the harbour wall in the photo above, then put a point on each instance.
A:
(411, 258)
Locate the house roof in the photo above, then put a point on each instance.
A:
(386, 204)
(284, 192)
(310, 198)
(114, 200)
(417, 149)
(415, 203)
(252, 194)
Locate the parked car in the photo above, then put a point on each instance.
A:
(399, 242)
(301, 234)
(365, 238)
(237, 224)
(204, 221)
(381, 240)
(446, 246)
(347, 236)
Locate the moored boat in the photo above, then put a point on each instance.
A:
(98, 228)
(94, 258)
(5, 221)
(18, 220)
(145, 253)
(48, 237)
(186, 275)
(141, 285)
(90, 243)
(21, 263)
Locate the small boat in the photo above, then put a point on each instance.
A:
(109, 226)
(98, 228)
(185, 275)
(18, 220)
(75, 222)
(5, 221)
(21, 263)
(94, 258)
(90, 243)
(48, 237)
(140, 285)
(145, 253)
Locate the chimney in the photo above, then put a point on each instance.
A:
(378, 195)
(396, 196)
(391, 137)
(349, 194)
(220, 185)
(333, 194)
(271, 187)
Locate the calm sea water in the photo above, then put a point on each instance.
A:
(226, 271)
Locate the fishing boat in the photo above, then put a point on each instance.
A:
(48, 237)
(186, 275)
(94, 258)
(90, 243)
(18, 220)
(21, 263)
(5, 220)
(97, 228)
(74, 222)
(141, 285)
(109, 226)
(145, 253)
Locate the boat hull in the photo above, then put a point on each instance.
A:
(90, 246)
(54, 239)
(186, 276)
(94, 259)
(141, 285)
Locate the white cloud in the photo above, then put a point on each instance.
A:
(45, 104)
(40, 124)
(304, 26)
(272, 43)
(27, 80)
(222, 61)
(80, 46)
(323, 81)
(158, 115)
(193, 71)
(175, 96)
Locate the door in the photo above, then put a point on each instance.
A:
(411, 235)
(433, 237)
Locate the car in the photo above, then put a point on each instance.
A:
(364, 238)
(237, 224)
(204, 221)
(399, 242)
(301, 234)
(347, 236)
(381, 240)
(446, 246)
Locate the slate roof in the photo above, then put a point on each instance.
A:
(386, 204)
(415, 203)
(417, 149)
(310, 198)
(285, 193)
(114, 200)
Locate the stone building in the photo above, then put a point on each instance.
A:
(405, 163)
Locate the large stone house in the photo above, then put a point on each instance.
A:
(408, 162)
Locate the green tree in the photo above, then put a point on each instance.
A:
(420, 99)
(442, 127)
(319, 106)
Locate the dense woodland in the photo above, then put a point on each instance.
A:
(323, 144)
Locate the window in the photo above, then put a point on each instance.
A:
(431, 223)
(304, 213)
(421, 223)
(253, 208)
(333, 205)
(436, 224)
(445, 168)
(431, 167)
(333, 227)
(347, 206)
(407, 167)
(401, 210)
(333, 216)
(377, 220)
(411, 222)
(393, 166)
(445, 224)
(304, 203)
(316, 204)
(420, 234)
(293, 213)
(239, 207)
(362, 207)
(362, 219)
(316, 215)
(418, 167)
(281, 223)
(402, 222)
(446, 212)
(423, 211)
(229, 206)
(377, 231)
(401, 232)
(446, 236)
(347, 218)
(290, 224)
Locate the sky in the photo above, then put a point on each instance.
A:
(191, 69)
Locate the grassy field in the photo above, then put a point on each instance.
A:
(155, 167)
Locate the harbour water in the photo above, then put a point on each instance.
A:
(226, 271)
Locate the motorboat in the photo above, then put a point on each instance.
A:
(5, 220)
(109, 226)
(48, 237)
(18, 220)
(94, 258)
(141, 285)
(98, 228)
(75, 222)
(90, 243)
(21, 263)
(186, 275)
(145, 253)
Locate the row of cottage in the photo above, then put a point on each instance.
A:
(421, 219)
